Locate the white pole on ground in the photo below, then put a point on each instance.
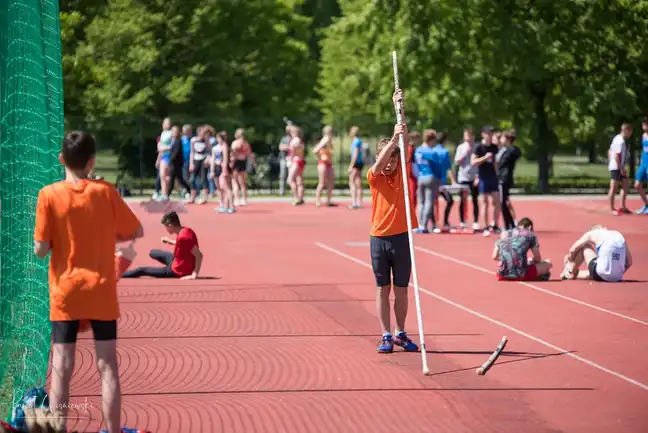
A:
(408, 212)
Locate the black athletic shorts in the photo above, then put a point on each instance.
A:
(592, 271)
(240, 165)
(65, 332)
(358, 165)
(390, 257)
(616, 175)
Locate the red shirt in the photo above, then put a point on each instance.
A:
(184, 261)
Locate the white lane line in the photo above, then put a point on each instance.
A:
(497, 322)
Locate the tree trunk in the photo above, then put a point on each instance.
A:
(591, 151)
(542, 136)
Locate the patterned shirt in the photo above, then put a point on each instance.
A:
(513, 248)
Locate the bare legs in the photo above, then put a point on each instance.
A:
(384, 310)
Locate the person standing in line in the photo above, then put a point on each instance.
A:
(325, 171)
(642, 171)
(284, 163)
(484, 159)
(617, 156)
(187, 135)
(467, 176)
(507, 159)
(356, 165)
(177, 161)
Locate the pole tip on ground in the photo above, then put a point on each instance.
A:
(481, 371)
(426, 372)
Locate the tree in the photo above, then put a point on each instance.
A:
(196, 61)
(538, 64)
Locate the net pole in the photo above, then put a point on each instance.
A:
(408, 212)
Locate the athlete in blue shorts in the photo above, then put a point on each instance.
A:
(642, 171)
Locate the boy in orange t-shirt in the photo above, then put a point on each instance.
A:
(80, 221)
(390, 254)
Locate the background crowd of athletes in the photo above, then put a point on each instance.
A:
(201, 164)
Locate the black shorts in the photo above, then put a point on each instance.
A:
(390, 257)
(218, 170)
(65, 332)
(240, 165)
(616, 175)
(358, 165)
(592, 271)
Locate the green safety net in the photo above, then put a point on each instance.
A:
(31, 130)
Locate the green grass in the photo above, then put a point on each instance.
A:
(564, 166)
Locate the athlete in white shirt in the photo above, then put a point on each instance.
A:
(617, 160)
(603, 251)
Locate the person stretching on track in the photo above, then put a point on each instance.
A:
(604, 252)
(511, 251)
(389, 239)
(642, 171)
(183, 263)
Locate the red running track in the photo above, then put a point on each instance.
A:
(282, 336)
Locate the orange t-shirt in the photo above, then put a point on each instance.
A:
(82, 223)
(388, 214)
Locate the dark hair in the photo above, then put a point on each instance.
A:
(382, 144)
(78, 149)
(645, 120)
(429, 135)
(441, 137)
(526, 223)
(171, 219)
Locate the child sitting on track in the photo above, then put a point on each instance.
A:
(603, 251)
(390, 253)
(186, 259)
(511, 251)
(82, 281)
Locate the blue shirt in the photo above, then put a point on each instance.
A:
(186, 148)
(433, 161)
(644, 153)
(357, 144)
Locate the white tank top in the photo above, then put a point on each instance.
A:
(610, 264)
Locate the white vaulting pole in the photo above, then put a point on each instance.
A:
(408, 212)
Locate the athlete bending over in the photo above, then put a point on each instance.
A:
(603, 251)
(511, 250)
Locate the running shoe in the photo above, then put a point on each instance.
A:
(476, 226)
(615, 212)
(421, 231)
(625, 210)
(643, 210)
(386, 344)
(405, 342)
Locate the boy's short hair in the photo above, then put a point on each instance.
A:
(78, 149)
(442, 137)
(382, 144)
(171, 219)
(429, 135)
(526, 223)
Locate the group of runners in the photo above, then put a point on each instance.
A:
(205, 164)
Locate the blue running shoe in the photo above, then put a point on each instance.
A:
(404, 341)
(421, 231)
(386, 344)
(643, 210)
